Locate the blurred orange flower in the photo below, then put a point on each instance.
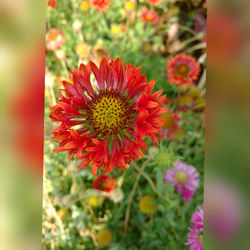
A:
(101, 5)
(55, 39)
(149, 16)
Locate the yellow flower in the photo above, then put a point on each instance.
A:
(147, 204)
(195, 92)
(82, 50)
(104, 237)
(95, 201)
(129, 6)
(116, 29)
(84, 6)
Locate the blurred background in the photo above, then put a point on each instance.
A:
(120, 31)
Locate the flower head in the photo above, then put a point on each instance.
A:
(185, 179)
(107, 126)
(195, 235)
(55, 39)
(104, 183)
(95, 200)
(129, 5)
(153, 2)
(101, 5)
(149, 16)
(104, 237)
(82, 50)
(182, 69)
(116, 195)
(84, 6)
(147, 204)
(116, 29)
(52, 4)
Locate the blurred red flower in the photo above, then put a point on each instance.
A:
(106, 125)
(149, 16)
(52, 4)
(225, 40)
(104, 183)
(182, 69)
(101, 5)
(153, 2)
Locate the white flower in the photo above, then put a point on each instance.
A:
(116, 195)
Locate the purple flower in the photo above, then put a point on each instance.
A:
(195, 235)
(185, 179)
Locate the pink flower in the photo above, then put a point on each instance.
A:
(194, 239)
(195, 235)
(185, 179)
(197, 218)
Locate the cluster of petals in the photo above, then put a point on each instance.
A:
(149, 16)
(104, 183)
(195, 235)
(55, 39)
(188, 77)
(190, 178)
(75, 133)
(100, 5)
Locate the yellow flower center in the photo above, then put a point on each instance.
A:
(53, 35)
(149, 17)
(182, 70)
(181, 177)
(108, 113)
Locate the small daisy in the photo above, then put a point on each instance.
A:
(185, 179)
(182, 69)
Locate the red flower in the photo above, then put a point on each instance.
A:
(149, 16)
(55, 39)
(104, 182)
(182, 69)
(52, 4)
(106, 126)
(101, 5)
(153, 2)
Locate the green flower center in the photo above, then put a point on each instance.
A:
(181, 177)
